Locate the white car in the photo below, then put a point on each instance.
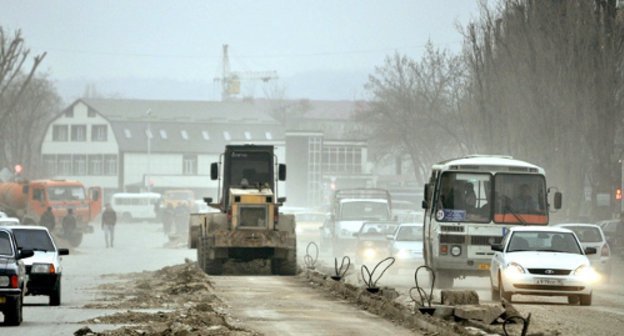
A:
(546, 261)
(591, 235)
(406, 245)
(44, 268)
(9, 221)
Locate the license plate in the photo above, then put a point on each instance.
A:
(2, 300)
(484, 267)
(552, 282)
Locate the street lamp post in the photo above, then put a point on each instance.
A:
(148, 113)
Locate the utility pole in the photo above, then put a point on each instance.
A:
(148, 113)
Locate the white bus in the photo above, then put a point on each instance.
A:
(469, 204)
(135, 206)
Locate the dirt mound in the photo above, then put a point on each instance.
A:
(184, 289)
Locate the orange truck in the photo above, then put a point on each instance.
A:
(28, 200)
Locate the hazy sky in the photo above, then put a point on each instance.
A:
(99, 41)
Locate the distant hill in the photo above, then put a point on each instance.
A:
(322, 85)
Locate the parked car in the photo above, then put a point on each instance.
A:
(591, 235)
(12, 277)
(372, 242)
(406, 245)
(9, 221)
(44, 267)
(546, 261)
(614, 232)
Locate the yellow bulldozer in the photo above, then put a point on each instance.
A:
(248, 225)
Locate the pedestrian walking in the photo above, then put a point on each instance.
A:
(47, 219)
(168, 216)
(182, 214)
(69, 224)
(109, 219)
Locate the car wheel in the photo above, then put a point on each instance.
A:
(586, 300)
(13, 314)
(55, 296)
(501, 290)
(494, 291)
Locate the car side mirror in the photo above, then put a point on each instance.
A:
(590, 250)
(207, 200)
(214, 171)
(63, 251)
(281, 200)
(497, 247)
(21, 254)
(558, 200)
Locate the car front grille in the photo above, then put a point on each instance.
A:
(551, 287)
(549, 271)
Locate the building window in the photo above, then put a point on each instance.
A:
(247, 135)
(79, 133)
(69, 113)
(163, 134)
(59, 133)
(63, 164)
(268, 135)
(110, 165)
(226, 136)
(184, 134)
(91, 113)
(206, 135)
(99, 133)
(49, 164)
(189, 163)
(79, 166)
(148, 133)
(127, 133)
(96, 165)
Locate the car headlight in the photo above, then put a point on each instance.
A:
(586, 273)
(369, 253)
(42, 268)
(4, 281)
(514, 270)
(402, 254)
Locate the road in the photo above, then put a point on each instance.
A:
(138, 247)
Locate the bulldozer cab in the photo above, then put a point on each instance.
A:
(247, 167)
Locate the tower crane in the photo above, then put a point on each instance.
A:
(230, 80)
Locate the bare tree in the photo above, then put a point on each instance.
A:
(546, 85)
(415, 108)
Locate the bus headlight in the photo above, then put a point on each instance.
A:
(456, 250)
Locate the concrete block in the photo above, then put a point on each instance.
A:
(484, 313)
(459, 297)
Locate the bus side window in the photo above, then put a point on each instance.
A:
(38, 195)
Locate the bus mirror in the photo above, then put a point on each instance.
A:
(214, 171)
(426, 191)
(558, 200)
(282, 172)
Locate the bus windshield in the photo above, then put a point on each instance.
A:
(481, 197)
(520, 199)
(464, 197)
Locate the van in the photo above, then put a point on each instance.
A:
(135, 206)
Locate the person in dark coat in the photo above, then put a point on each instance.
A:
(168, 216)
(69, 223)
(47, 219)
(182, 214)
(109, 219)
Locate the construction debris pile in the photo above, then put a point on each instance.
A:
(175, 300)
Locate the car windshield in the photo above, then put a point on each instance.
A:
(364, 210)
(409, 233)
(586, 234)
(5, 244)
(37, 240)
(377, 229)
(563, 242)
